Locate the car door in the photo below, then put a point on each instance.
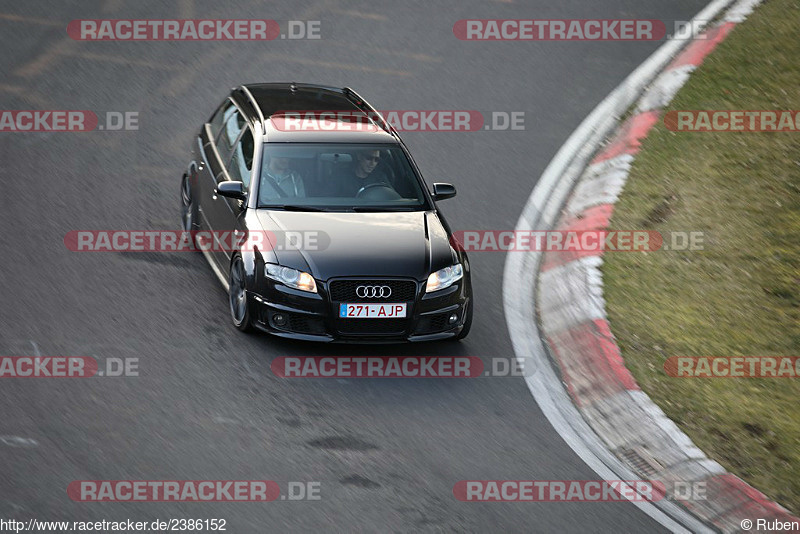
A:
(215, 213)
(229, 212)
(212, 161)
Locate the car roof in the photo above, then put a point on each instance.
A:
(273, 98)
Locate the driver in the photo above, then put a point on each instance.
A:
(362, 173)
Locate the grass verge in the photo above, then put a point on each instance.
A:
(741, 295)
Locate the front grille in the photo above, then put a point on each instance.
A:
(305, 324)
(371, 326)
(345, 290)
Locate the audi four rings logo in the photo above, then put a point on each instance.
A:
(373, 292)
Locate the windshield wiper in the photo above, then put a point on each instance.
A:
(294, 207)
(381, 208)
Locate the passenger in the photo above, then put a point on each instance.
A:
(280, 181)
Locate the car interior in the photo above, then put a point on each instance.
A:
(319, 168)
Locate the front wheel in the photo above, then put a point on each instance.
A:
(188, 207)
(237, 296)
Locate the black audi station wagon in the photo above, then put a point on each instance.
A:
(352, 246)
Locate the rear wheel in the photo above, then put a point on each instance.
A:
(237, 296)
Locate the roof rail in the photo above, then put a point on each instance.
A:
(362, 104)
(252, 99)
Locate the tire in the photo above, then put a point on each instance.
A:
(188, 207)
(467, 324)
(237, 296)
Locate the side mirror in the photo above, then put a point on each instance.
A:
(232, 190)
(443, 191)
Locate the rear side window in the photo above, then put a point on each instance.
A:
(231, 129)
(242, 160)
(222, 114)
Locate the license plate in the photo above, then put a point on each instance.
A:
(372, 311)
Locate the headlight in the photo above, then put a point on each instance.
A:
(444, 278)
(291, 277)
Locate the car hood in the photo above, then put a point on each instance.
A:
(407, 244)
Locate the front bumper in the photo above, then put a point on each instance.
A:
(289, 313)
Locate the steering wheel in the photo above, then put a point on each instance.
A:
(378, 191)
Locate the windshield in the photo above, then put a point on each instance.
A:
(338, 177)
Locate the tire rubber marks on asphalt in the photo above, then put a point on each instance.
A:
(18, 442)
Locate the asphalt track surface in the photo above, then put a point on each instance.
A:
(206, 405)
